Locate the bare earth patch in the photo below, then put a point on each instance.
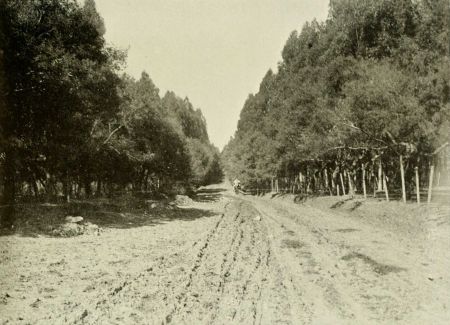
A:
(227, 259)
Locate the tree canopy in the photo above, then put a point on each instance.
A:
(371, 81)
(70, 119)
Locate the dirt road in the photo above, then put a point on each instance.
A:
(246, 260)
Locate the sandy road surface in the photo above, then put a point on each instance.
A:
(245, 261)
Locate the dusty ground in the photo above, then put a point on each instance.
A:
(228, 259)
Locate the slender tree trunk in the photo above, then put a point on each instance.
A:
(351, 192)
(50, 187)
(98, 191)
(342, 183)
(325, 176)
(380, 176)
(402, 175)
(316, 183)
(146, 181)
(300, 180)
(374, 183)
(66, 184)
(308, 180)
(333, 185)
(363, 168)
(386, 192)
(430, 184)
(35, 188)
(416, 169)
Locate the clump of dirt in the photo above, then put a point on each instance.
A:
(290, 233)
(356, 205)
(379, 268)
(183, 200)
(71, 229)
(295, 244)
(345, 230)
(340, 203)
(300, 198)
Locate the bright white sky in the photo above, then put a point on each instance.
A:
(215, 52)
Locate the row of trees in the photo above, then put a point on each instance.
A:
(358, 102)
(72, 124)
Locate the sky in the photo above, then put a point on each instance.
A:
(215, 52)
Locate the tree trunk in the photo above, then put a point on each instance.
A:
(66, 184)
(430, 184)
(35, 188)
(386, 192)
(50, 187)
(325, 176)
(374, 183)
(402, 175)
(300, 180)
(342, 183)
(98, 191)
(351, 192)
(416, 169)
(333, 185)
(380, 176)
(363, 168)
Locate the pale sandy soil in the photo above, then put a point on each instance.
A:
(238, 260)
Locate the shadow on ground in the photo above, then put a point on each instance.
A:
(42, 219)
(208, 195)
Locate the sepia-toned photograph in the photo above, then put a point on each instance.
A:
(219, 162)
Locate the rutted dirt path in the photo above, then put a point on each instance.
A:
(247, 261)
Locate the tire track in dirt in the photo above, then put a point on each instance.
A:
(367, 290)
(120, 297)
(183, 295)
(361, 275)
(254, 263)
(236, 279)
(315, 292)
(220, 272)
(271, 300)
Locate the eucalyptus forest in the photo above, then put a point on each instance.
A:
(360, 102)
(330, 204)
(73, 125)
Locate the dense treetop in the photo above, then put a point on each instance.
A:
(373, 76)
(70, 120)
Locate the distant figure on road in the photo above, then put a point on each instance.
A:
(236, 185)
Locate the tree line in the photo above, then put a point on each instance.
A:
(360, 102)
(73, 125)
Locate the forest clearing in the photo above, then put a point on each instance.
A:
(227, 259)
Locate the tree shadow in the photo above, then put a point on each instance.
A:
(157, 216)
(208, 195)
(35, 220)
